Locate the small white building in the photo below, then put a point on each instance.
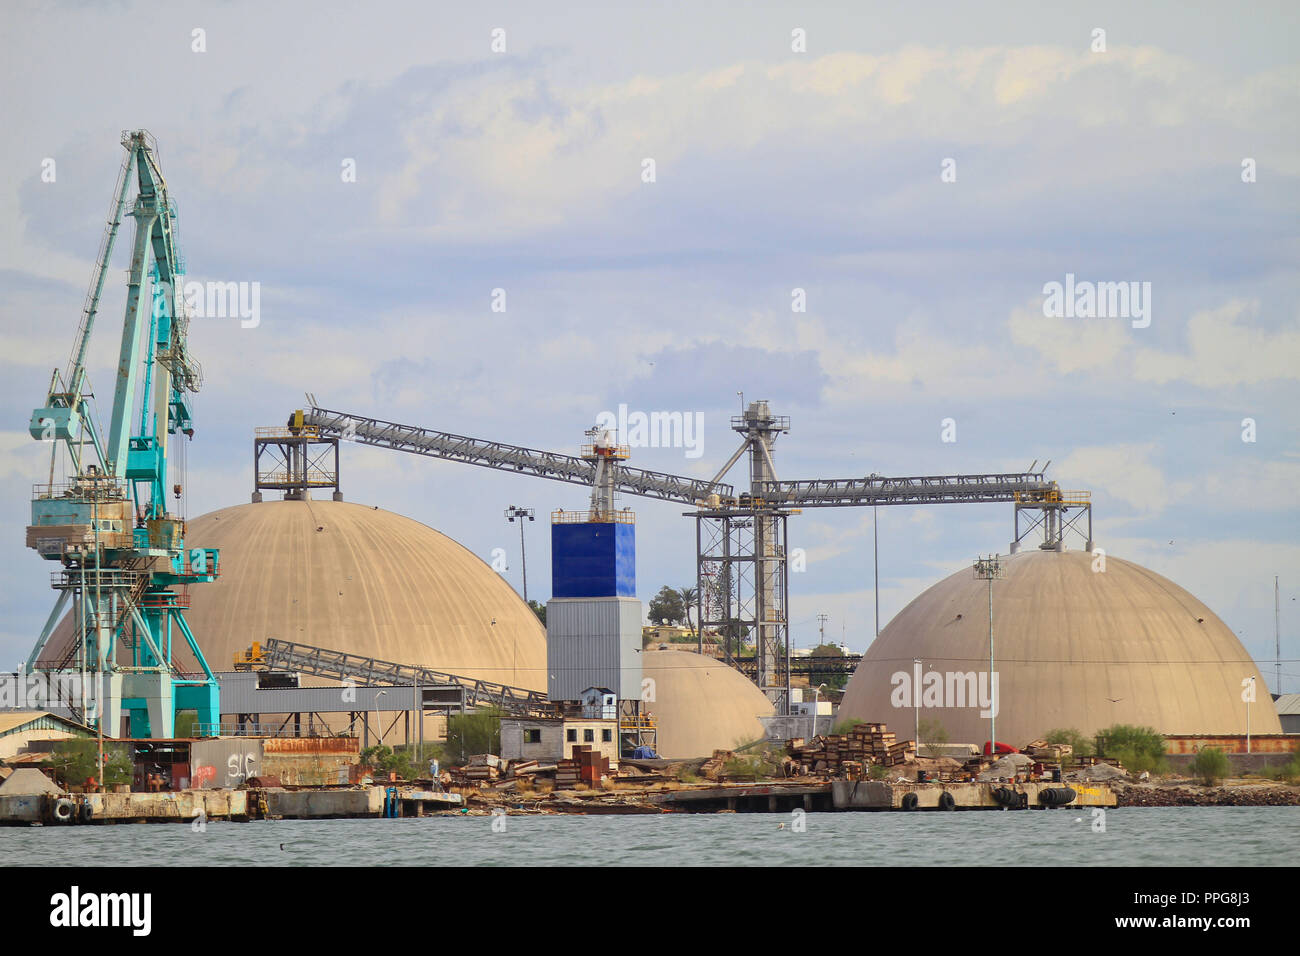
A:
(548, 739)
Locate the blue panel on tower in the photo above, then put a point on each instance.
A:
(593, 559)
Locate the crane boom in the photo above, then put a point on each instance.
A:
(492, 454)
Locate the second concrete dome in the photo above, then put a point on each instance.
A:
(701, 704)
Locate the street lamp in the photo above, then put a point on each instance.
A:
(379, 727)
(916, 699)
(817, 693)
(511, 514)
(1250, 698)
(988, 569)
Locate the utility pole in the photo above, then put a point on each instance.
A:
(822, 618)
(511, 514)
(875, 559)
(916, 700)
(1277, 641)
(988, 569)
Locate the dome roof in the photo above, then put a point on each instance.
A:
(354, 578)
(701, 704)
(1073, 648)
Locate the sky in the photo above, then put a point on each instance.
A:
(921, 173)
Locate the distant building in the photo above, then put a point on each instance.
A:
(1288, 712)
(593, 722)
(19, 729)
(667, 633)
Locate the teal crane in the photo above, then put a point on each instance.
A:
(125, 568)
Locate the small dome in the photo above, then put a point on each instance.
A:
(1073, 648)
(701, 704)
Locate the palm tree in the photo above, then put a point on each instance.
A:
(689, 596)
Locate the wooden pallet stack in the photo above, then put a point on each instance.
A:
(712, 768)
(482, 768)
(864, 744)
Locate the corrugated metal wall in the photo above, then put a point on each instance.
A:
(593, 642)
(224, 762)
(240, 695)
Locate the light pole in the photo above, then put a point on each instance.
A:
(817, 693)
(916, 699)
(988, 569)
(1250, 698)
(875, 561)
(521, 513)
(379, 727)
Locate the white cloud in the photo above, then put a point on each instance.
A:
(1223, 350)
(1124, 472)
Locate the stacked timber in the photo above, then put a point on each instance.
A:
(850, 753)
(712, 768)
(482, 768)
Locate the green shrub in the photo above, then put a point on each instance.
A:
(1289, 771)
(385, 760)
(1210, 766)
(1137, 748)
(934, 735)
(478, 732)
(76, 759)
(742, 768)
(846, 726)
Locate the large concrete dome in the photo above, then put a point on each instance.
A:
(354, 578)
(1073, 649)
(701, 704)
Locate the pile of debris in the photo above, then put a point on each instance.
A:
(481, 769)
(713, 768)
(1043, 752)
(865, 744)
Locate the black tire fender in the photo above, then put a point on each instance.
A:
(65, 811)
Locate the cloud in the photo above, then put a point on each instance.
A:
(1125, 473)
(1223, 351)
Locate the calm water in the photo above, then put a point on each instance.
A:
(1195, 836)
